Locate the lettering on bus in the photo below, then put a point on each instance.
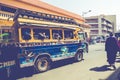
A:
(7, 64)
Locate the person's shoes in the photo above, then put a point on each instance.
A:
(114, 68)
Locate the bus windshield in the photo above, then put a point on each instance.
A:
(81, 36)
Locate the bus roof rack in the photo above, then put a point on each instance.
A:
(43, 16)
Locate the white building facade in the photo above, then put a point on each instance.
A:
(101, 25)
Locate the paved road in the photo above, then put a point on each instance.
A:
(92, 68)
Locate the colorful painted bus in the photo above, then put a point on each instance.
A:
(38, 39)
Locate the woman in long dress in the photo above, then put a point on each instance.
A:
(111, 47)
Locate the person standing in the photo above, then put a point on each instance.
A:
(111, 47)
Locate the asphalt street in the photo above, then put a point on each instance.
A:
(93, 67)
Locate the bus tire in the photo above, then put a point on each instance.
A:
(79, 56)
(42, 64)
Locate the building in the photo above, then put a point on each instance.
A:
(9, 7)
(101, 25)
(112, 18)
(38, 6)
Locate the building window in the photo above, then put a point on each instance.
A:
(94, 25)
(94, 32)
(92, 20)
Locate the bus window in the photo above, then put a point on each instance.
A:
(41, 34)
(68, 34)
(57, 34)
(26, 35)
(6, 35)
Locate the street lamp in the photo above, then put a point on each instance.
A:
(83, 13)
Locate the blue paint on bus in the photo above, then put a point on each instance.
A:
(53, 50)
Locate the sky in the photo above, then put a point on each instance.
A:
(97, 7)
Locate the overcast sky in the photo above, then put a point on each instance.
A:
(97, 7)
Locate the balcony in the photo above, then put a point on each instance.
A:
(110, 25)
(106, 24)
(93, 28)
(104, 28)
(110, 30)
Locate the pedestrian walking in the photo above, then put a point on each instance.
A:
(111, 47)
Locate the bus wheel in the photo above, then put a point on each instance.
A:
(42, 64)
(79, 56)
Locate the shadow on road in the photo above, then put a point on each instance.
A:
(25, 72)
(62, 63)
(101, 68)
(114, 76)
(28, 72)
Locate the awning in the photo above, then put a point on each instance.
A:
(86, 25)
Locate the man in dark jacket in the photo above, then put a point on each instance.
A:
(111, 47)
